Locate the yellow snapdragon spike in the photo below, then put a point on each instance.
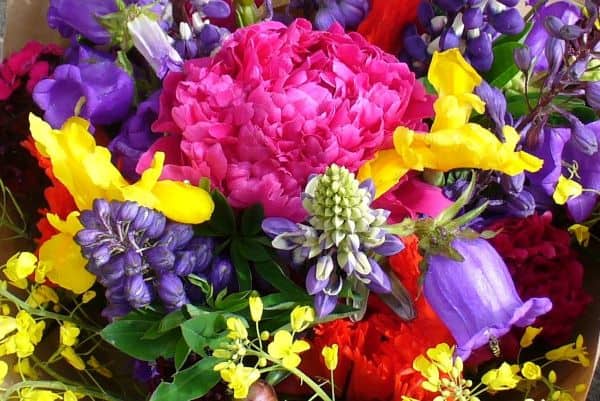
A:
(87, 172)
(62, 255)
(284, 347)
(530, 334)
(453, 142)
(566, 189)
(330, 355)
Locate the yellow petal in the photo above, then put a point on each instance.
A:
(183, 202)
(330, 355)
(385, 170)
(581, 232)
(72, 358)
(450, 74)
(530, 334)
(455, 111)
(566, 189)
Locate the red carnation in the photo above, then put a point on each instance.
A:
(543, 264)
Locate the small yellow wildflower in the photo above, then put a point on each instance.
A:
(68, 334)
(23, 345)
(574, 352)
(42, 295)
(530, 334)
(72, 358)
(285, 348)
(41, 272)
(581, 232)
(98, 367)
(302, 317)
(330, 355)
(19, 267)
(256, 308)
(503, 378)
(8, 324)
(238, 377)
(28, 394)
(69, 396)
(23, 368)
(531, 371)
(88, 296)
(441, 356)
(264, 335)
(237, 329)
(3, 371)
(565, 190)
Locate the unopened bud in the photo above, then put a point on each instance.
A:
(554, 51)
(522, 56)
(584, 138)
(571, 32)
(553, 25)
(592, 94)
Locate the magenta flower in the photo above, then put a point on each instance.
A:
(277, 104)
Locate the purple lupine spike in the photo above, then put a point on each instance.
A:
(221, 274)
(379, 280)
(476, 298)
(171, 290)
(138, 292)
(391, 246)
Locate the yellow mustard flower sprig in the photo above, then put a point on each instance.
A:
(282, 352)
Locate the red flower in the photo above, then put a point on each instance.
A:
(385, 22)
(543, 264)
(376, 354)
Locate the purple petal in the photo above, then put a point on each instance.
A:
(380, 282)
(274, 226)
(391, 246)
(324, 304)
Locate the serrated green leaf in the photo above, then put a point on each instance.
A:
(252, 250)
(252, 219)
(274, 275)
(189, 384)
(182, 352)
(127, 335)
(504, 68)
(242, 267)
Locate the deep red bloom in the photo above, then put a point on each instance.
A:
(543, 264)
(376, 354)
(385, 22)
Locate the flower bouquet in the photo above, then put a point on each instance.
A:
(298, 200)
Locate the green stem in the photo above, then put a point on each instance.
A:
(44, 313)
(332, 386)
(55, 385)
(50, 372)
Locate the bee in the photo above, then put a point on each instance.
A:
(494, 345)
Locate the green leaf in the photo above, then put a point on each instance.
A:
(189, 384)
(127, 335)
(182, 352)
(277, 376)
(585, 114)
(282, 301)
(242, 267)
(233, 303)
(172, 321)
(274, 275)
(222, 220)
(203, 284)
(504, 68)
(204, 331)
(252, 219)
(252, 250)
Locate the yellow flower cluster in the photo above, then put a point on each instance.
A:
(20, 334)
(453, 142)
(574, 352)
(87, 172)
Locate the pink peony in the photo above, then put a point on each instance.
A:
(277, 104)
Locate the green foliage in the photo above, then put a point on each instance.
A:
(190, 383)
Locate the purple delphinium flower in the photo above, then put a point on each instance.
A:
(135, 137)
(139, 256)
(103, 90)
(348, 13)
(72, 17)
(566, 12)
(476, 298)
(154, 45)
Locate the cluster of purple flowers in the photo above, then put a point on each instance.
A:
(470, 25)
(140, 257)
(347, 13)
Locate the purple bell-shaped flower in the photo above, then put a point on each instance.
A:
(476, 298)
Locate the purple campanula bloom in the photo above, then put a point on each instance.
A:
(476, 298)
(154, 45)
(135, 136)
(80, 54)
(536, 40)
(106, 89)
(71, 17)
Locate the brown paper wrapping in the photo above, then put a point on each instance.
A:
(26, 20)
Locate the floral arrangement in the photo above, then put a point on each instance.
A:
(361, 200)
